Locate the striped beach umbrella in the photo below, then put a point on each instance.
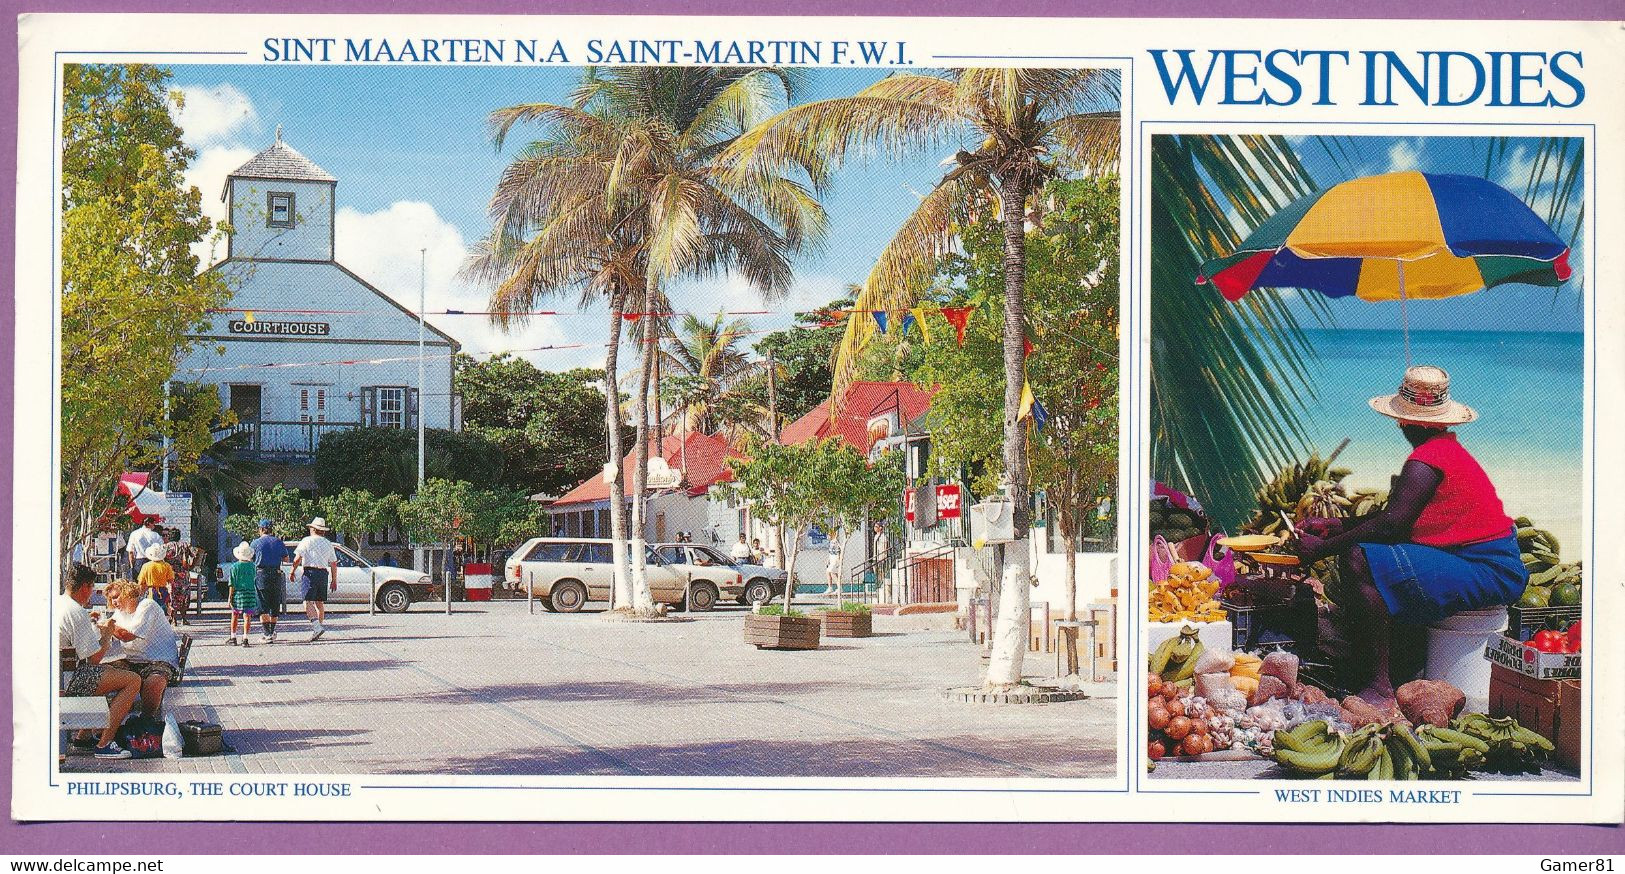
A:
(1396, 236)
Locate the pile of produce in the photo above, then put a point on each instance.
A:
(1394, 751)
(1174, 661)
(1551, 582)
(1566, 639)
(1307, 489)
(1232, 701)
(1175, 523)
(1189, 594)
(1183, 724)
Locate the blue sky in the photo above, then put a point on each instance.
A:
(1505, 308)
(416, 167)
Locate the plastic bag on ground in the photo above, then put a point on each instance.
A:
(174, 745)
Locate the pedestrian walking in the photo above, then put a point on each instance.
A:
(155, 576)
(269, 551)
(832, 570)
(741, 552)
(144, 537)
(241, 593)
(321, 567)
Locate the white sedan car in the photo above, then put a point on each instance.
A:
(397, 587)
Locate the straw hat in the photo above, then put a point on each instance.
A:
(243, 551)
(319, 524)
(1424, 398)
(154, 553)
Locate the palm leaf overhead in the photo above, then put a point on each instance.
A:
(1025, 123)
(1227, 379)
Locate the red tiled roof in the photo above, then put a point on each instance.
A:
(862, 401)
(704, 464)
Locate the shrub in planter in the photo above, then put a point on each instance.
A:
(849, 620)
(773, 628)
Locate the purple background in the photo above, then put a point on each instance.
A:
(140, 839)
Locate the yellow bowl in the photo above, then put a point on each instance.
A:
(1274, 558)
(1249, 542)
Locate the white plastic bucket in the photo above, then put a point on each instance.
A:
(1456, 652)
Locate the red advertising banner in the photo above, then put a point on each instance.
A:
(948, 498)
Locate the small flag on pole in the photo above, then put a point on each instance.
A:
(1040, 416)
(1027, 401)
(908, 321)
(880, 319)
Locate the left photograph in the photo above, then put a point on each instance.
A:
(609, 421)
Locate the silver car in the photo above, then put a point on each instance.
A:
(757, 584)
(397, 588)
(565, 573)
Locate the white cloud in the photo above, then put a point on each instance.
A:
(735, 294)
(208, 173)
(1402, 155)
(383, 248)
(213, 114)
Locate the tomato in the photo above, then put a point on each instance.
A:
(1565, 646)
(1546, 640)
(1573, 634)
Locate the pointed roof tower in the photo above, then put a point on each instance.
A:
(280, 161)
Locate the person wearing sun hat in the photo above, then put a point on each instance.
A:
(321, 563)
(1442, 545)
(156, 576)
(245, 599)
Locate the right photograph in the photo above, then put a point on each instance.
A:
(1367, 408)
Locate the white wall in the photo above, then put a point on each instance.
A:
(310, 238)
(373, 329)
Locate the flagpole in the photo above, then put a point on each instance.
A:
(1404, 313)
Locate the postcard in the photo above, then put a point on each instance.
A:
(818, 419)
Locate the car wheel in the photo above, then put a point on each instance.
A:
(703, 596)
(568, 596)
(394, 598)
(759, 591)
(547, 604)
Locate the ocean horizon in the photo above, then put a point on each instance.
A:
(1527, 386)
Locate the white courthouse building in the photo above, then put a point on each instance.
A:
(303, 337)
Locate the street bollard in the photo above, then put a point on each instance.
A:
(372, 598)
(530, 600)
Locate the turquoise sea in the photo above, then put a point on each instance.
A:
(1528, 388)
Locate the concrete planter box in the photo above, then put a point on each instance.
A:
(781, 632)
(842, 624)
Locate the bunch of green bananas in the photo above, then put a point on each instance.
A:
(1371, 752)
(1175, 659)
(1452, 753)
(1289, 486)
(1505, 745)
(1542, 556)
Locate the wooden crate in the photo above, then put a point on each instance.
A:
(1548, 707)
(839, 623)
(782, 632)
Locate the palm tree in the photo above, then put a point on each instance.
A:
(620, 197)
(706, 356)
(1013, 129)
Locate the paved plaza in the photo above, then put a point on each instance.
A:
(492, 690)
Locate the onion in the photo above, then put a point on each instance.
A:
(1156, 750)
(1153, 685)
(1199, 726)
(1158, 717)
(1178, 727)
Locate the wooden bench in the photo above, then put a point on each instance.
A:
(75, 712)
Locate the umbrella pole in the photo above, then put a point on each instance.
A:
(1404, 314)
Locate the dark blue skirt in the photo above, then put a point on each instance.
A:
(1424, 584)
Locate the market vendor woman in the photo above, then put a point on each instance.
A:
(1442, 545)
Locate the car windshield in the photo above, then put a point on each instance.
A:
(350, 559)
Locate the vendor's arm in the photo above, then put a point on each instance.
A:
(1392, 524)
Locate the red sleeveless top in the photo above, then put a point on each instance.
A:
(1466, 508)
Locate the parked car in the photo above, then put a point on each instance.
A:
(397, 587)
(760, 584)
(566, 573)
(713, 577)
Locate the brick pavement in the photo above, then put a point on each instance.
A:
(491, 690)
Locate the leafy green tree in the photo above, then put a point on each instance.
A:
(802, 356)
(1072, 277)
(288, 511)
(824, 483)
(131, 292)
(354, 512)
(384, 461)
(548, 424)
(704, 361)
(1016, 129)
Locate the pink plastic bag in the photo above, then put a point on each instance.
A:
(1162, 559)
(1223, 568)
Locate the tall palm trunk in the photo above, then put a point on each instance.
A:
(1011, 634)
(622, 591)
(642, 596)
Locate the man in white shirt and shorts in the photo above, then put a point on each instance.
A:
(321, 563)
(91, 642)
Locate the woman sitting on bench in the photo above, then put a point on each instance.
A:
(151, 648)
(90, 642)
